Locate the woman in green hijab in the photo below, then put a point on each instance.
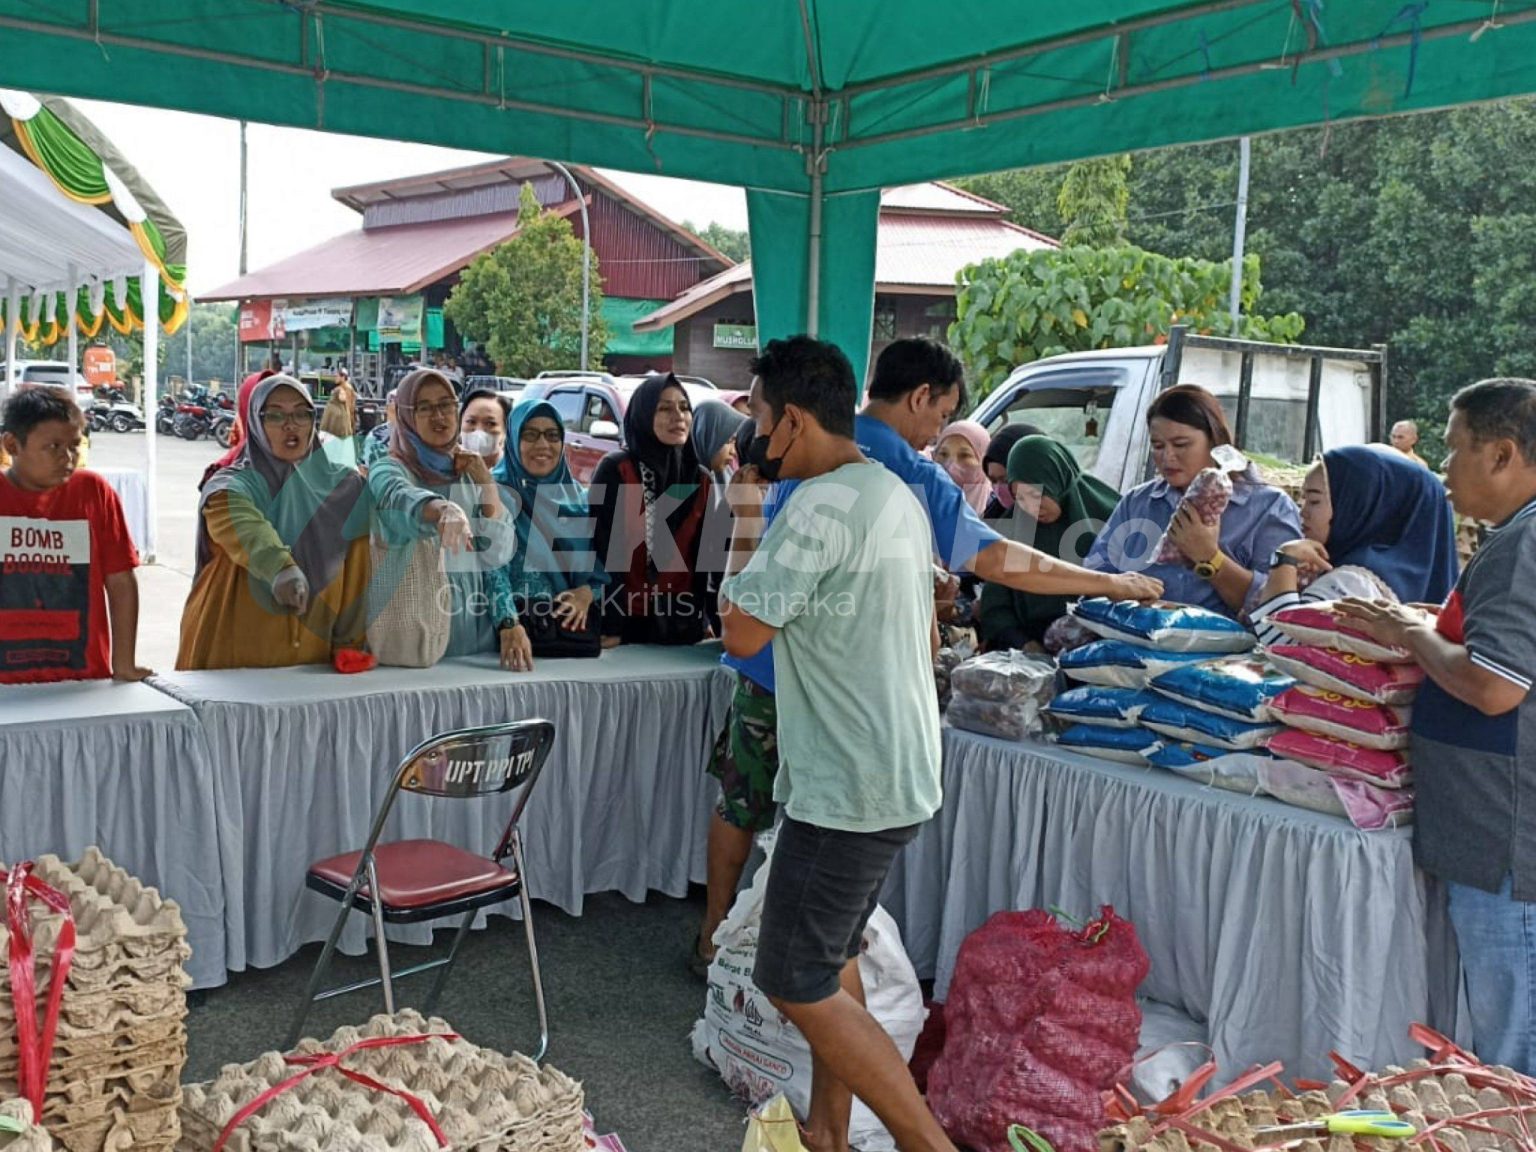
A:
(1059, 509)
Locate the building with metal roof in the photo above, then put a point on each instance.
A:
(927, 234)
(349, 295)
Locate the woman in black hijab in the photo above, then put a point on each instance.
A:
(650, 501)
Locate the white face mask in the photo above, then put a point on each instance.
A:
(480, 442)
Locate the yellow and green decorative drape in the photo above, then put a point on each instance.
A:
(85, 167)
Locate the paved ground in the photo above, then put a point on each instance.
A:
(163, 586)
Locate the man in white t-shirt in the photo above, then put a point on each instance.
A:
(841, 585)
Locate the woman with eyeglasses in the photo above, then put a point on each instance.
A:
(282, 545)
(557, 585)
(649, 502)
(431, 486)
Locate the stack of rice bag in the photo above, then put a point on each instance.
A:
(1344, 745)
(1170, 686)
(1001, 694)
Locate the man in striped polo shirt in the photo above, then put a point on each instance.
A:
(1474, 723)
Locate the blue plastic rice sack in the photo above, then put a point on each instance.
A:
(1116, 664)
(1169, 628)
(1127, 745)
(1233, 771)
(1105, 707)
(1191, 725)
(1232, 686)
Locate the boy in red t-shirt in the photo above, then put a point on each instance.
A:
(66, 559)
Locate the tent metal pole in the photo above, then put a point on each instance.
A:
(149, 293)
(816, 165)
(12, 326)
(72, 294)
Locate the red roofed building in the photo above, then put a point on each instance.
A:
(927, 234)
(419, 232)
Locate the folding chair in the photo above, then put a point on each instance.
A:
(419, 880)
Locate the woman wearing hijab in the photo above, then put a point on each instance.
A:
(552, 590)
(714, 441)
(237, 428)
(1065, 508)
(429, 485)
(649, 504)
(282, 545)
(995, 463)
(961, 448)
(1371, 520)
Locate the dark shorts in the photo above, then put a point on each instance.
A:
(823, 886)
(746, 759)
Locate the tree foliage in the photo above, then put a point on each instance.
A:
(1416, 232)
(523, 298)
(727, 241)
(1049, 301)
(1092, 202)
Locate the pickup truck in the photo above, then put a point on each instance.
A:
(1286, 402)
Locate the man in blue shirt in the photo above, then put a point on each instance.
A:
(917, 388)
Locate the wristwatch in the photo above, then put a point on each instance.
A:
(1283, 559)
(1207, 569)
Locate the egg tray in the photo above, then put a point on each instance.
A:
(92, 1013)
(33, 1137)
(111, 908)
(131, 1129)
(1464, 1108)
(481, 1099)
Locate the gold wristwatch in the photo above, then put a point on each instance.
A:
(1207, 569)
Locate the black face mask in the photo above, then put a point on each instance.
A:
(768, 467)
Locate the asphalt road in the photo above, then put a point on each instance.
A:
(179, 468)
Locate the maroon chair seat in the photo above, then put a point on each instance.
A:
(416, 875)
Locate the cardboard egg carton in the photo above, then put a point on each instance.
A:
(1421, 1093)
(114, 1078)
(32, 1136)
(480, 1098)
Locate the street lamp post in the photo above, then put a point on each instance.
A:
(586, 257)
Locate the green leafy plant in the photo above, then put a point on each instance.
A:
(523, 298)
(1034, 304)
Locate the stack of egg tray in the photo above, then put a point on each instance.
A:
(114, 1080)
(481, 1099)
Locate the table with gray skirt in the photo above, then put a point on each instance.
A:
(125, 768)
(302, 757)
(1287, 933)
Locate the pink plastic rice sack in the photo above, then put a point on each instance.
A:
(1341, 758)
(1366, 806)
(1209, 493)
(1040, 1021)
(1334, 714)
(1319, 626)
(1350, 675)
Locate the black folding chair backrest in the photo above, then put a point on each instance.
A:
(470, 763)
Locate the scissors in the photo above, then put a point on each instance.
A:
(1353, 1123)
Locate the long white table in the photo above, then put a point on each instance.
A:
(301, 758)
(126, 768)
(1287, 932)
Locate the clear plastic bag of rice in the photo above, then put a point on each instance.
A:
(1006, 677)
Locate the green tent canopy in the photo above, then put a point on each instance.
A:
(623, 340)
(812, 106)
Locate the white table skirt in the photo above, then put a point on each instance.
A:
(131, 490)
(126, 768)
(301, 759)
(1288, 932)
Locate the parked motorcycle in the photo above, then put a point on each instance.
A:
(165, 418)
(223, 426)
(114, 410)
(192, 421)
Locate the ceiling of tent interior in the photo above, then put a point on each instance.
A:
(805, 100)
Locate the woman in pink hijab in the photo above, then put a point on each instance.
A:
(959, 452)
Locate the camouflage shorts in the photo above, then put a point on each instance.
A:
(746, 759)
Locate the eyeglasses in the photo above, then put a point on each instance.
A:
(674, 409)
(548, 435)
(442, 408)
(275, 419)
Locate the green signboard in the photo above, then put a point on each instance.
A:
(736, 336)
